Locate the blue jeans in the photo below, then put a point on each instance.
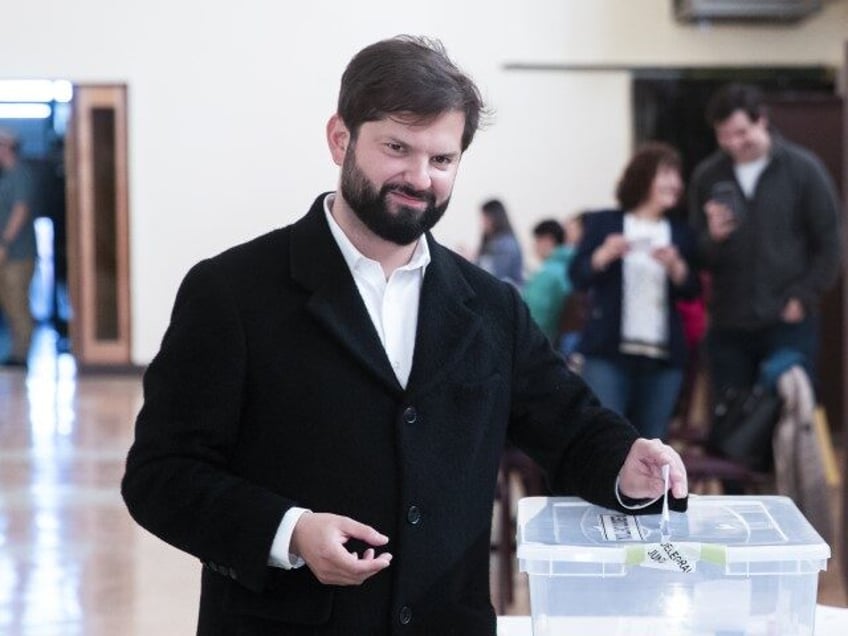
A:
(736, 354)
(642, 389)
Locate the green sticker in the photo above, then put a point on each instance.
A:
(712, 553)
(635, 554)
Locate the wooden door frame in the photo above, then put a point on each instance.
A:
(84, 240)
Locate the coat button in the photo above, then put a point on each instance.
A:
(410, 415)
(405, 615)
(413, 515)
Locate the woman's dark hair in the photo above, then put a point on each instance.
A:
(732, 97)
(634, 187)
(495, 211)
(409, 76)
(552, 228)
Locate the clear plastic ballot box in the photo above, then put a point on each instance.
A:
(732, 566)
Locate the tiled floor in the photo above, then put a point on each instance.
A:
(72, 562)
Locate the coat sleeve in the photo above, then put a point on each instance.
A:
(580, 271)
(557, 421)
(822, 228)
(704, 245)
(685, 243)
(177, 483)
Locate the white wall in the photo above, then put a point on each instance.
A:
(228, 103)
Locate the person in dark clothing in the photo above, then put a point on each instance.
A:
(17, 248)
(52, 190)
(767, 219)
(323, 424)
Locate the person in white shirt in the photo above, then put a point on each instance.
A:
(634, 264)
(323, 424)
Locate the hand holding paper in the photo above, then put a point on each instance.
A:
(641, 476)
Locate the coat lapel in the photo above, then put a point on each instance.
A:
(318, 265)
(446, 324)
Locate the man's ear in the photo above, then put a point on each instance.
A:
(338, 138)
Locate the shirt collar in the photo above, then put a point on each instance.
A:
(420, 256)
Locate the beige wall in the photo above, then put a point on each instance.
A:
(228, 104)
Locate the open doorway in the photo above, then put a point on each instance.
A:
(34, 114)
(72, 139)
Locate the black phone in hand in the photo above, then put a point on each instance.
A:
(726, 193)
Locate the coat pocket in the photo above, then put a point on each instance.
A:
(292, 596)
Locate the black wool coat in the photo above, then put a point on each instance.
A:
(272, 389)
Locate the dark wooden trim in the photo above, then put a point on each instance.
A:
(727, 72)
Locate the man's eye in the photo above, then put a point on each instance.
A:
(442, 160)
(395, 147)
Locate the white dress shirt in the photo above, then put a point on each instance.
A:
(392, 306)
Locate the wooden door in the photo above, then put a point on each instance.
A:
(820, 124)
(98, 232)
(816, 122)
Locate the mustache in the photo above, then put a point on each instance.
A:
(423, 195)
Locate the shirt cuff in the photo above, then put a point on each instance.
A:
(640, 503)
(281, 556)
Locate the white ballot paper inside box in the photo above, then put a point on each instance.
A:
(735, 565)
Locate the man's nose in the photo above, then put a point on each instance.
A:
(417, 174)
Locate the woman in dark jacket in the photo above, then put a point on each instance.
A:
(634, 264)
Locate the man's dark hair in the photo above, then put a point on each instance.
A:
(552, 228)
(634, 187)
(732, 97)
(408, 76)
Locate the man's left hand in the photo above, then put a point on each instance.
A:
(641, 476)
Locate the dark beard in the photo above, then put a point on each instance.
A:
(371, 207)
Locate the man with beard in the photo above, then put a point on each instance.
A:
(323, 424)
(767, 218)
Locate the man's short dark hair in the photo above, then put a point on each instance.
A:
(732, 97)
(410, 76)
(634, 187)
(551, 228)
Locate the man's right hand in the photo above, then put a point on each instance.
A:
(720, 220)
(319, 539)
